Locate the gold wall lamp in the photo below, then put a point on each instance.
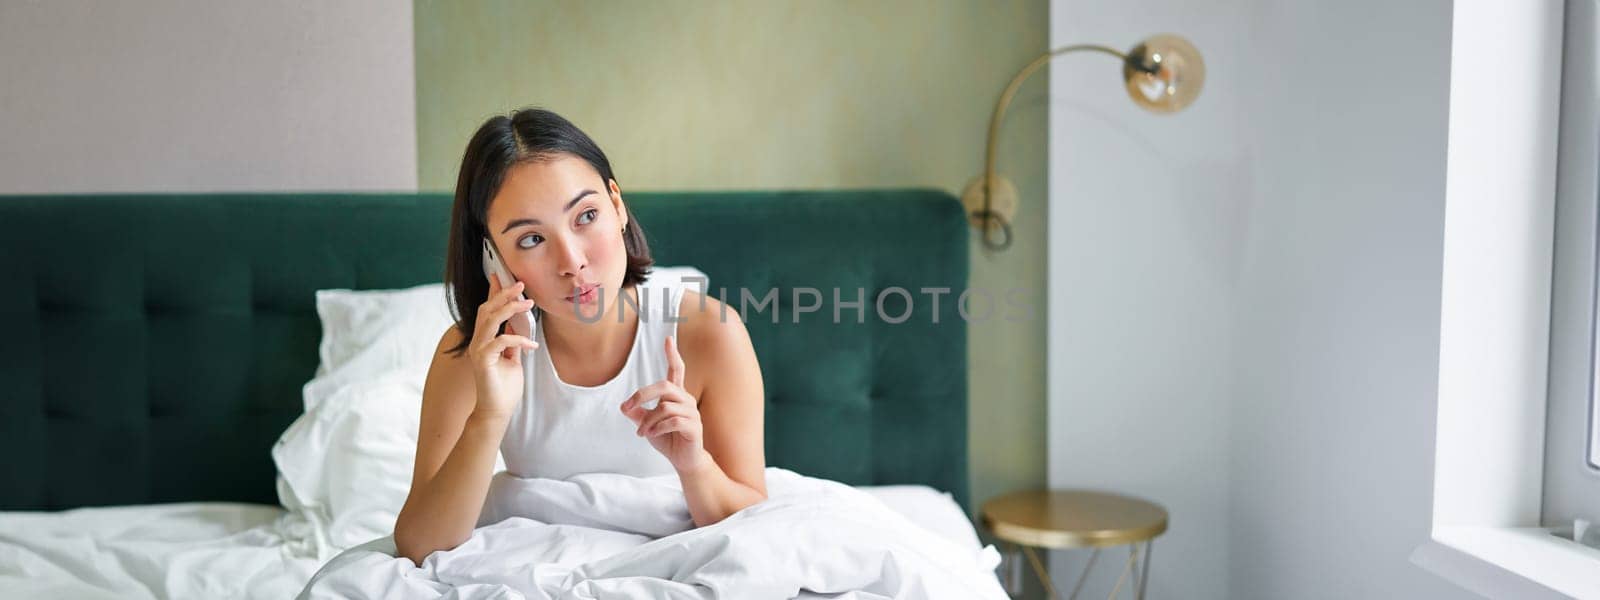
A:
(1163, 74)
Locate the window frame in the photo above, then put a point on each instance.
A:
(1571, 474)
(1498, 294)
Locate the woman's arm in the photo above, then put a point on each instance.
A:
(713, 437)
(732, 475)
(455, 459)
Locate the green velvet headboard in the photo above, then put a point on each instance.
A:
(157, 344)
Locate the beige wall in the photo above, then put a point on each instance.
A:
(763, 95)
(226, 95)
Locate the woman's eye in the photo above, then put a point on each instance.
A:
(588, 216)
(530, 241)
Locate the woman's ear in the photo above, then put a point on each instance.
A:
(616, 203)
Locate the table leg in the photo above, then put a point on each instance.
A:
(1133, 556)
(1084, 576)
(1144, 576)
(1043, 573)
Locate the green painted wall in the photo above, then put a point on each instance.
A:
(759, 95)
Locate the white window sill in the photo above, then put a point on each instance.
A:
(1505, 562)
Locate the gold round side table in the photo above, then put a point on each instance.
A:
(1078, 519)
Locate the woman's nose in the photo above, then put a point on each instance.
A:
(572, 257)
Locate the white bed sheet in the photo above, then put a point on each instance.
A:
(232, 550)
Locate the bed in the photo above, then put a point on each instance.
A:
(160, 345)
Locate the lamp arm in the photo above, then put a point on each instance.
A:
(994, 129)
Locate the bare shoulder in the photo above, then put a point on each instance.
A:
(452, 336)
(712, 335)
(707, 322)
(449, 339)
(446, 364)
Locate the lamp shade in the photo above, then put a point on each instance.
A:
(1164, 73)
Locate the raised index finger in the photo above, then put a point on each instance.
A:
(674, 362)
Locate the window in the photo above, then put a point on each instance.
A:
(1572, 425)
(1517, 303)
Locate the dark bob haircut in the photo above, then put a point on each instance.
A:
(502, 142)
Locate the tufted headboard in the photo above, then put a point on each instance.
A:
(157, 344)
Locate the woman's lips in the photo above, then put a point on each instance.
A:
(585, 295)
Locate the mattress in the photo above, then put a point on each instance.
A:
(235, 550)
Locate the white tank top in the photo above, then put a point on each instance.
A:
(560, 429)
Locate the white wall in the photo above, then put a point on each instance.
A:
(1339, 304)
(1147, 215)
(1245, 297)
(191, 95)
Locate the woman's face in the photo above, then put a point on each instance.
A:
(558, 228)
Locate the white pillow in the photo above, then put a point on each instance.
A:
(344, 469)
(376, 333)
(344, 466)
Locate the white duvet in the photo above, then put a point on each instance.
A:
(234, 550)
(603, 535)
(184, 550)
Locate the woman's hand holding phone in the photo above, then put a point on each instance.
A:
(497, 358)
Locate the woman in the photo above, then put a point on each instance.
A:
(564, 402)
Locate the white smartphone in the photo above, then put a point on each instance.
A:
(520, 323)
